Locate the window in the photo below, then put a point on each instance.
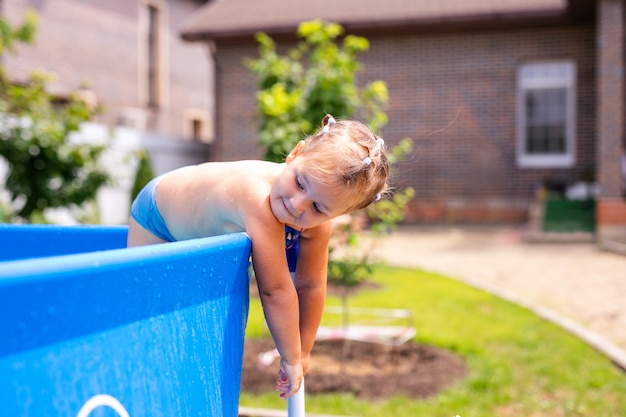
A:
(197, 125)
(546, 116)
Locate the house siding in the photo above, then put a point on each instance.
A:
(463, 83)
(100, 44)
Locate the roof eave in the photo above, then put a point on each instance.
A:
(400, 26)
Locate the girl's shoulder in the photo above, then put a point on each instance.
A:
(248, 171)
(215, 176)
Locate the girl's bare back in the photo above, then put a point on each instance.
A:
(214, 198)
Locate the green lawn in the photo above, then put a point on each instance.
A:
(519, 365)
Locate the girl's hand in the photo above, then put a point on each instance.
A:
(289, 379)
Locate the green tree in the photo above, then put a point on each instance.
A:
(46, 169)
(144, 174)
(316, 77)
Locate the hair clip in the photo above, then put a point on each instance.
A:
(380, 141)
(330, 120)
(367, 160)
(378, 197)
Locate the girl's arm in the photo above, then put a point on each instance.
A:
(279, 298)
(310, 281)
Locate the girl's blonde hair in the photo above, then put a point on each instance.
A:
(350, 159)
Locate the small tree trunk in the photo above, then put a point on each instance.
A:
(345, 349)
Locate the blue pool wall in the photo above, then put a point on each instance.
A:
(35, 241)
(158, 329)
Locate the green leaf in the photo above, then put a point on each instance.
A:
(45, 169)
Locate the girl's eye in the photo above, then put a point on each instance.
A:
(298, 184)
(316, 209)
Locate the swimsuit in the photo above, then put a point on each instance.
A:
(145, 212)
(292, 236)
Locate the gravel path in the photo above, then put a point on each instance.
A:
(574, 284)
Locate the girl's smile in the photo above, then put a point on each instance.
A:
(292, 212)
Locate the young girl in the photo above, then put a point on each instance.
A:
(341, 168)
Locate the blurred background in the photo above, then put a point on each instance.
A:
(515, 107)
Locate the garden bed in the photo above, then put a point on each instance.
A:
(372, 371)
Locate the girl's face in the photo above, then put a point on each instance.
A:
(300, 201)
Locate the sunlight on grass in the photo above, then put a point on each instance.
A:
(519, 364)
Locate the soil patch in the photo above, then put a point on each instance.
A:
(371, 371)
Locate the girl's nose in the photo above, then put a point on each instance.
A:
(299, 204)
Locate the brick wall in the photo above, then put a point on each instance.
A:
(611, 106)
(237, 118)
(611, 207)
(466, 172)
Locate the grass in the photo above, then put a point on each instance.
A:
(520, 365)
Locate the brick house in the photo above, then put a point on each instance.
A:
(128, 57)
(538, 86)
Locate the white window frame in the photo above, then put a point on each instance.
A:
(547, 75)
